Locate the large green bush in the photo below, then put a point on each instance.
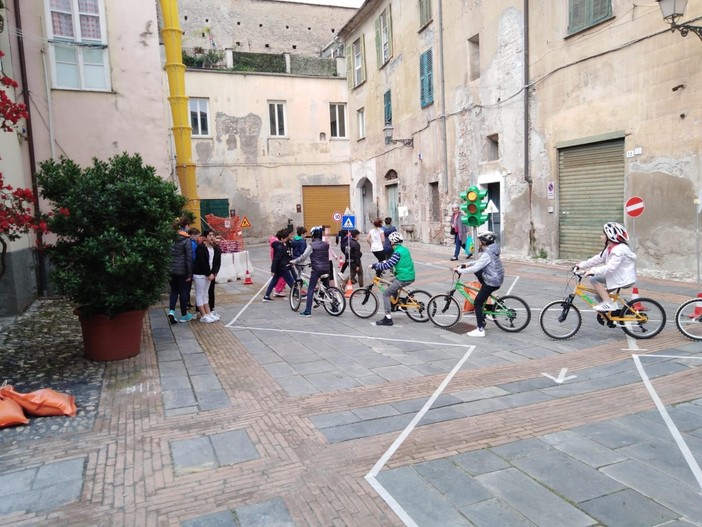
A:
(114, 223)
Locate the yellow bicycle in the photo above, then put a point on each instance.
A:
(641, 318)
(364, 302)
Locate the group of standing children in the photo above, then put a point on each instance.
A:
(195, 259)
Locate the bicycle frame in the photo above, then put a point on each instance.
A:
(614, 316)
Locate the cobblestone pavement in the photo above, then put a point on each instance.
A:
(269, 419)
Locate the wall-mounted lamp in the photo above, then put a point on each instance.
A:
(673, 10)
(389, 140)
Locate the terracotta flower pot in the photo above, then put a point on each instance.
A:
(106, 339)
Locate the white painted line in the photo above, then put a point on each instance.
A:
(406, 432)
(509, 291)
(361, 337)
(631, 341)
(674, 356)
(263, 287)
(396, 507)
(694, 467)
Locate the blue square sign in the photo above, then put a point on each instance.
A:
(348, 222)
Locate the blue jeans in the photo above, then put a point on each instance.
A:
(458, 244)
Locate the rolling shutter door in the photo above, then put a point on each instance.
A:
(321, 202)
(591, 181)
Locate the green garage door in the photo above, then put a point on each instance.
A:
(591, 192)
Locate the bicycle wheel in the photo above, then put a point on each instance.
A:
(688, 319)
(363, 303)
(295, 297)
(560, 320)
(444, 311)
(334, 301)
(511, 313)
(647, 318)
(416, 305)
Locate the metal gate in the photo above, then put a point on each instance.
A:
(319, 203)
(591, 181)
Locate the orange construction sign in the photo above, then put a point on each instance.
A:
(245, 223)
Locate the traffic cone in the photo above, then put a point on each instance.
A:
(349, 289)
(697, 313)
(638, 306)
(247, 278)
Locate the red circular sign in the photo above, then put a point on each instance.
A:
(634, 206)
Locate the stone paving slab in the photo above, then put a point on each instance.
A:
(504, 447)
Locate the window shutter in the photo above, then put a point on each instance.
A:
(378, 43)
(422, 79)
(389, 18)
(363, 58)
(601, 9)
(429, 65)
(349, 67)
(577, 15)
(387, 102)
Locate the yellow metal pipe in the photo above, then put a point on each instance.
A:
(182, 131)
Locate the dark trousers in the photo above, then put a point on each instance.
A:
(285, 274)
(180, 289)
(211, 295)
(480, 298)
(314, 278)
(457, 245)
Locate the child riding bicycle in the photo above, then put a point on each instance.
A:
(489, 272)
(401, 260)
(613, 268)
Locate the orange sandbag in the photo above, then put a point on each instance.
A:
(43, 403)
(11, 413)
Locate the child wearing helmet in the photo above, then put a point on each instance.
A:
(489, 272)
(401, 260)
(318, 253)
(614, 267)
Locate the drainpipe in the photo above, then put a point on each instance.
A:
(182, 131)
(527, 172)
(41, 267)
(444, 178)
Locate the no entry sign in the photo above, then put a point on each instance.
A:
(634, 206)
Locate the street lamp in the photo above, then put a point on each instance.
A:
(673, 10)
(389, 140)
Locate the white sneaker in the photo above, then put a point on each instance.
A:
(207, 319)
(477, 332)
(281, 295)
(603, 306)
(215, 315)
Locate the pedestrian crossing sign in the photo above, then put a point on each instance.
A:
(348, 222)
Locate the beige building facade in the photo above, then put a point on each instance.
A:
(561, 112)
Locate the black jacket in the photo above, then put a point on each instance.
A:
(355, 252)
(181, 257)
(281, 257)
(216, 260)
(202, 261)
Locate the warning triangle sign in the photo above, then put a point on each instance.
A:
(245, 224)
(348, 224)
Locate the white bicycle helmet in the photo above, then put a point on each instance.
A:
(395, 237)
(615, 232)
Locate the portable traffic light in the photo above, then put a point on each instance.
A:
(475, 203)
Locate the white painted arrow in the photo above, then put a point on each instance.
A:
(561, 376)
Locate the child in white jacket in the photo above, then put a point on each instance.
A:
(614, 267)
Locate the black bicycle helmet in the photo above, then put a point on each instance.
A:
(316, 232)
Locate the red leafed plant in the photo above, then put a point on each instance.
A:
(16, 204)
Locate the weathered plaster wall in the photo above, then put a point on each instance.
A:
(260, 175)
(131, 117)
(261, 26)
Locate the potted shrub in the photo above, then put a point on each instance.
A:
(113, 222)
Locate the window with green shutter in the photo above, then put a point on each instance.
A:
(586, 13)
(387, 106)
(426, 78)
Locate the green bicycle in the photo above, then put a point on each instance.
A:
(509, 313)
